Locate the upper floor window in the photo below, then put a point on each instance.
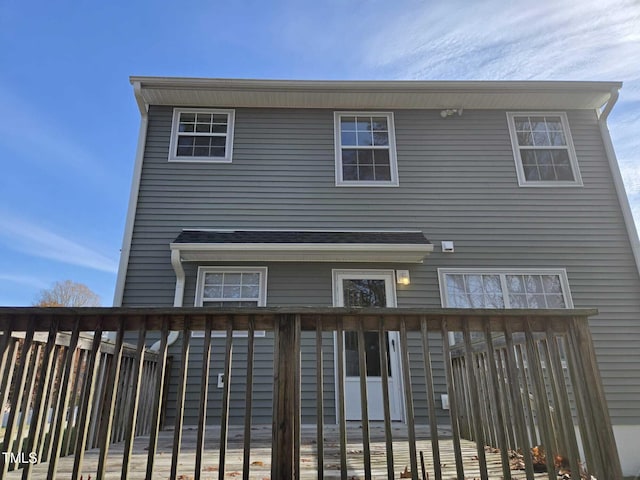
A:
(543, 149)
(365, 149)
(201, 135)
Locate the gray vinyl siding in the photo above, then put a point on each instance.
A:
(457, 182)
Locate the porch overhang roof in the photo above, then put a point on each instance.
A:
(302, 246)
(234, 93)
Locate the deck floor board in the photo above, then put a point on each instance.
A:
(261, 456)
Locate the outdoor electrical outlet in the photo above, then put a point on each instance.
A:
(220, 380)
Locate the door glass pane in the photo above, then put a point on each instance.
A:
(372, 352)
(364, 293)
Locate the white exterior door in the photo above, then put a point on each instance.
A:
(369, 288)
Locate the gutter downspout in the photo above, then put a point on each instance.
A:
(178, 298)
(627, 215)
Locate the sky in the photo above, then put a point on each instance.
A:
(69, 121)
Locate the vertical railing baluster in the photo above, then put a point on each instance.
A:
(98, 399)
(494, 392)
(7, 360)
(248, 406)
(182, 390)
(297, 386)
(94, 360)
(475, 400)
(123, 397)
(462, 397)
(133, 411)
(408, 398)
(542, 403)
(364, 407)
(560, 388)
(7, 372)
(384, 376)
(57, 434)
(147, 409)
(453, 403)
(275, 409)
(39, 404)
(488, 406)
(525, 375)
(431, 401)
(581, 385)
(158, 396)
(50, 405)
(204, 392)
(19, 381)
(319, 399)
(507, 408)
(226, 397)
(517, 401)
(106, 420)
(72, 440)
(341, 401)
(27, 398)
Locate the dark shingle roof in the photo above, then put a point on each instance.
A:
(253, 236)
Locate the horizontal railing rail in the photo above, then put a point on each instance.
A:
(526, 385)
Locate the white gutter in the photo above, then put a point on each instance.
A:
(627, 215)
(304, 252)
(133, 198)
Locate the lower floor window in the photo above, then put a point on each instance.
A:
(228, 287)
(485, 288)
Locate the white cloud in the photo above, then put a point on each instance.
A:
(23, 236)
(499, 40)
(27, 280)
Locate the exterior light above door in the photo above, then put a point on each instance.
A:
(402, 277)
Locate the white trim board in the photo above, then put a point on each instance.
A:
(305, 252)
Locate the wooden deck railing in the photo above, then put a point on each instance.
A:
(520, 379)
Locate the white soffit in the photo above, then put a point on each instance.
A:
(373, 94)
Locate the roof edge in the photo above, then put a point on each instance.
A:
(408, 85)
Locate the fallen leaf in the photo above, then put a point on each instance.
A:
(257, 463)
(406, 473)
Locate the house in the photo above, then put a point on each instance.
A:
(383, 193)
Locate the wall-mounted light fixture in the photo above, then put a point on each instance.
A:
(402, 277)
(449, 112)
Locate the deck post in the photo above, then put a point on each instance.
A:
(284, 421)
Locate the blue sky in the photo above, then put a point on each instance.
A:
(69, 122)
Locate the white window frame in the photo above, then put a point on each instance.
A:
(503, 272)
(338, 275)
(573, 159)
(173, 144)
(262, 296)
(393, 161)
